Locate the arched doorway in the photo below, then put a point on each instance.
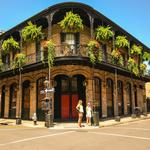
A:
(3, 102)
(120, 98)
(97, 95)
(26, 100)
(110, 101)
(12, 101)
(40, 97)
(67, 93)
(129, 99)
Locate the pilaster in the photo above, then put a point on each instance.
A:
(7, 97)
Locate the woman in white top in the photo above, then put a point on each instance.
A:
(88, 113)
(80, 110)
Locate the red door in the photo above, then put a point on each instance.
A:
(65, 106)
(74, 104)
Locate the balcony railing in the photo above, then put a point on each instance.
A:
(63, 51)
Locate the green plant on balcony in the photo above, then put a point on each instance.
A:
(121, 42)
(103, 34)
(1, 65)
(136, 50)
(51, 52)
(143, 68)
(94, 51)
(10, 45)
(71, 22)
(19, 61)
(32, 33)
(117, 57)
(132, 66)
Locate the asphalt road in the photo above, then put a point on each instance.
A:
(129, 136)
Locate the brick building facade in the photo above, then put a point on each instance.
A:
(115, 90)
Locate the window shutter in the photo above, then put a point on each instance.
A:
(62, 37)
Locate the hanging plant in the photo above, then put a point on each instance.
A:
(94, 51)
(10, 45)
(71, 22)
(117, 57)
(121, 42)
(19, 61)
(143, 68)
(132, 66)
(1, 65)
(146, 56)
(32, 33)
(136, 50)
(51, 52)
(104, 33)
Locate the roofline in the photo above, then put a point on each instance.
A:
(74, 4)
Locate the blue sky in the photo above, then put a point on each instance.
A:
(131, 15)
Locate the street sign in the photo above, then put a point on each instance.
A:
(47, 90)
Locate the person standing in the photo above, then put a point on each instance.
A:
(80, 110)
(88, 113)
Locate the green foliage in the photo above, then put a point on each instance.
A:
(132, 66)
(121, 42)
(19, 61)
(143, 68)
(1, 65)
(146, 56)
(104, 33)
(10, 45)
(135, 49)
(117, 57)
(32, 33)
(71, 22)
(94, 51)
(51, 53)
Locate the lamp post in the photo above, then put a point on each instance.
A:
(47, 103)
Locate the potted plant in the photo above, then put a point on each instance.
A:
(103, 34)
(32, 33)
(51, 52)
(143, 68)
(132, 66)
(71, 22)
(121, 42)
(117, 57)
(10, 45)
(94, 51)
(136, 50)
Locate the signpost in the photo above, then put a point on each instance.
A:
(47, 104)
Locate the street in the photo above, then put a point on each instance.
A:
(129, 136)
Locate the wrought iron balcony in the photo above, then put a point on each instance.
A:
(63, 50)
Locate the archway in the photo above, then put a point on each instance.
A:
(3, 102)
(12, 101)
(110, 101)
(120, 98)
(129, 99)
(97, 95)
(26, 100)
(40, 97)
(67, 93)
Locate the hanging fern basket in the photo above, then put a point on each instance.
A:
(71, 23)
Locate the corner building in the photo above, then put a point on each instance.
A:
(116, 91)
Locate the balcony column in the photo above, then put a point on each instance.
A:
(7, 98)
(20, 42)
(1, 48)
(91, 25)
(49, 18)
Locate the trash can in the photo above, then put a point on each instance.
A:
(137, 111)
(96, 118)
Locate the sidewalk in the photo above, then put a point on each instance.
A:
(70, 125)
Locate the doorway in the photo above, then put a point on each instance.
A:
(67, 93)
